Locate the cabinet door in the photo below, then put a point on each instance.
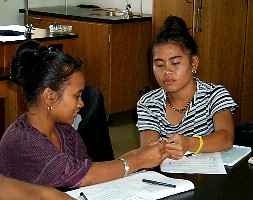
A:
(95, 52)
(164, 8)
(221, 44)
(40, 21)
(129, 47)
(247, 93)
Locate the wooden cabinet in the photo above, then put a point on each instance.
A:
(115, 57)
(247, 89)
(223, 32)
(164, 8)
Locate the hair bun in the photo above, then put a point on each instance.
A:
(174, 23)
(24, 61)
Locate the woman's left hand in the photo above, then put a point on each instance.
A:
(177, 145)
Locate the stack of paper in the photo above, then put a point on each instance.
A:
(133, 188)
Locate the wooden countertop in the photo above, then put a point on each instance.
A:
(83, 14)
(37, 34)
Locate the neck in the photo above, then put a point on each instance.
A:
(41, 121)
(180, 101)
(181, 110)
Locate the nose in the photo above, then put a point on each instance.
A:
(166, 72)
(167, 69)
(80, 103)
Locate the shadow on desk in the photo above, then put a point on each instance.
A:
(244, 135)
(182, 196)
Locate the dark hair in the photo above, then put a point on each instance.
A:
(175, 31)
(35, 67)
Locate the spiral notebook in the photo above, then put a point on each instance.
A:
(133, 187)
(232, 156)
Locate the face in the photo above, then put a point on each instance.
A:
(67, 106)
(172, 67)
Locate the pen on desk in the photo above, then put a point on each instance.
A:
(83, 196)
(158, 183)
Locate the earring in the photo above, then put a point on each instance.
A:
(49, 108)
(194, 71)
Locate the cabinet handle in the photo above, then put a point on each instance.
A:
(37, 18)
(187, 1)
(40, 19)
(199, 18)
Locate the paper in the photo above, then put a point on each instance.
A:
(231, 156)
(132, 188)
(202, 163)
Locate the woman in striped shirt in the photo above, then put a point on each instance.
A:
(190, 114)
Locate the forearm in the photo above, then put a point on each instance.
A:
(147, 156)
(217, 141)
(223, 136)
(147, 137)
(110, 170)
(19, 190)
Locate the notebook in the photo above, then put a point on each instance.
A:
(132, 187)
(232, 156)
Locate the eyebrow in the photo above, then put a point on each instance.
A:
(81, 90)
(174, 57)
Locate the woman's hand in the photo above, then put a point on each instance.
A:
(151, 155)
(177, 145)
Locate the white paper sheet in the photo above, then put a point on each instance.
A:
(132, 188)
(202, 163)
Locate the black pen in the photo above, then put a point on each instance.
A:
(158, 183)
(83, 196)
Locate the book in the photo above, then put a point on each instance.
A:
(132, 187)
(232, 156)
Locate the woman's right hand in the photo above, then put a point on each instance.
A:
(151, 155)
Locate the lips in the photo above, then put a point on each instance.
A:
(169, 81)
(75, 114)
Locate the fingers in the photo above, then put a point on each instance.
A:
(175, 155)
(161, 144)
(174, 138)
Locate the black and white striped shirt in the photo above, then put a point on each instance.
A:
(208, 100)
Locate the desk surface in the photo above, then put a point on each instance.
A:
(236, 184)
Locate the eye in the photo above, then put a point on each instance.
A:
(78, 95)
(159, 64)
(175, 63)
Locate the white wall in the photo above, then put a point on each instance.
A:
(9, 8)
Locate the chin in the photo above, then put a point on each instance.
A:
(69, 122)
